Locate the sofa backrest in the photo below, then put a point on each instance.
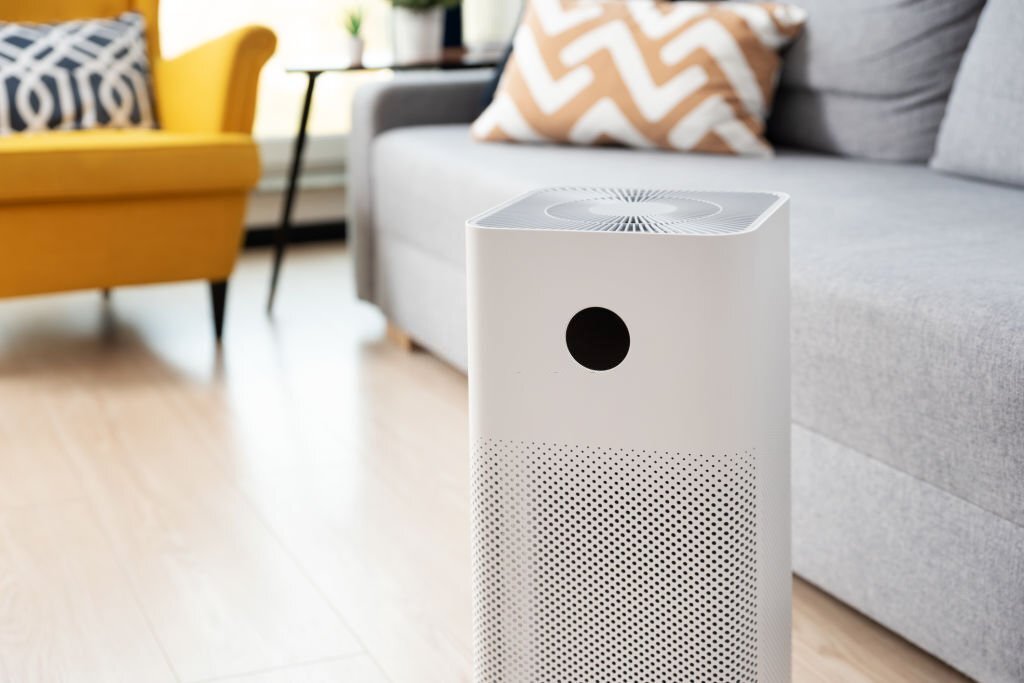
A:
(870, 78)
(982, 135)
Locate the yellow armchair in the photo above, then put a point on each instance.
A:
(104, 208)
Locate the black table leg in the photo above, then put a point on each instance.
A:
(284, 230)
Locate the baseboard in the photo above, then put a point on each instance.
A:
(321, 189)
(324, 231)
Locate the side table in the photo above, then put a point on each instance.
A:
(455, 58)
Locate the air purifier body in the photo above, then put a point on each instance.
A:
(629, 429)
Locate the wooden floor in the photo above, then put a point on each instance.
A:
(293, 509)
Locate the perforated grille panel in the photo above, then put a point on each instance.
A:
(613, 565)
(634, 211)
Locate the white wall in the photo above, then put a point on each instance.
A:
(309, 31)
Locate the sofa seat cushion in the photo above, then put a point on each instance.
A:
(908, 285)
(117, 163)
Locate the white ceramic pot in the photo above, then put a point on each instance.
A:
(418, 35)
(355, 47)
(487, 25)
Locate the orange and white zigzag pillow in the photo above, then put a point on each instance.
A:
(691, 76)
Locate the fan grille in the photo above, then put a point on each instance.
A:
(632, 211)
(602, 565)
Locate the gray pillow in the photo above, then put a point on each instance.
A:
(983, 132)
(870, 78)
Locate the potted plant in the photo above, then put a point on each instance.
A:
(419, 30)
(353, 23)
(488, 24)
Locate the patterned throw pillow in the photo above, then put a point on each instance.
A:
(77, 74)
(686, 75)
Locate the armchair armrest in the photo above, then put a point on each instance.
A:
(411, 99)
(212, 88)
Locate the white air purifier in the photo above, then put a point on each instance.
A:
(629, 410)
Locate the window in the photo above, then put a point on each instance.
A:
(308, 31)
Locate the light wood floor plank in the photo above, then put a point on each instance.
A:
(67, 612)
(33, 466)
(832, 642)
(364, 478)
(378, 519)
(222, 593)
(359, 669)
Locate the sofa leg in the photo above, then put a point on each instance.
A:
(400, 337)
(106, 293)
(218, 297)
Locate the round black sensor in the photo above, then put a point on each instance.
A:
(597, 338)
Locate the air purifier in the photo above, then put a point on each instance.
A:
(629, 428)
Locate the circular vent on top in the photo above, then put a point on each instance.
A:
(633, 211)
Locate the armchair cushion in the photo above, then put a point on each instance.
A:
(110, 164)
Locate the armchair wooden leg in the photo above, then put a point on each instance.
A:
(218, 297)
(400, 337)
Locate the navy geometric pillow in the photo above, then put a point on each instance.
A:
(91, 73)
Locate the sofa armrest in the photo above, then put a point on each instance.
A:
(411, 99)
(212, 88)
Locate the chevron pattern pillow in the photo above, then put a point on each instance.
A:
(689, 76)
(78, 74)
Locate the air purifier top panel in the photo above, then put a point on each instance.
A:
(669, 212)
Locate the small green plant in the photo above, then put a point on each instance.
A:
(354, 21)
(424, 4)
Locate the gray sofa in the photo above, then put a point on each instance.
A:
(908, 344)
